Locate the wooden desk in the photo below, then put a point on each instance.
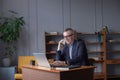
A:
(40, 73)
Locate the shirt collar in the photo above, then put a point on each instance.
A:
(71, 44)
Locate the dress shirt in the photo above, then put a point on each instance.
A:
(70, 50)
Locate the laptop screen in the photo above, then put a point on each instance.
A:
(41, 59)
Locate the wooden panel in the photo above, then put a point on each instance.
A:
(42, 73)
(113, 61)
(39, 75)
(113, 76)
(33, 26)
(110, 8)
(99, 75)
(78, 74)
(82, 12)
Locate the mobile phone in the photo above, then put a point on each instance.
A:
(63, 41)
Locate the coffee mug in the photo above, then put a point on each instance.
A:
(32, 62)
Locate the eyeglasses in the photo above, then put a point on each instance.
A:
(68, 36)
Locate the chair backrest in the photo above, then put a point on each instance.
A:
(24, 60)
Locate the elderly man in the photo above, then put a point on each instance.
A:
(71, 51)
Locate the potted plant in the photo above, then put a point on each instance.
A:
(9, 33)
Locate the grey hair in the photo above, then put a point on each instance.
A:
(70, 29)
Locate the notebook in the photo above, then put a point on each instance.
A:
(43, 62)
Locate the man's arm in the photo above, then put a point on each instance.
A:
(58, 55)
(59, 50)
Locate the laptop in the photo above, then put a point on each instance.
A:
(43, 62)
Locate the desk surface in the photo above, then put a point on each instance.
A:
(54, 70)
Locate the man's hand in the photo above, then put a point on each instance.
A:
(60, 44)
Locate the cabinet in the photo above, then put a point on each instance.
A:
(113, 55)
(99, 46)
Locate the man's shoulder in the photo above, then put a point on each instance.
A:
(79, 41)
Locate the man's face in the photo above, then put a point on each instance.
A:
(68, 36)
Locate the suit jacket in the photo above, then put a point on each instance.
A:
(79, 54)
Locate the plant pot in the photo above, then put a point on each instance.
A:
(6, 62)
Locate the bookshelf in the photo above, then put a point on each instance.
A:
(113, 53)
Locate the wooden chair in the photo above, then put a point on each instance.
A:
(22, 60)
